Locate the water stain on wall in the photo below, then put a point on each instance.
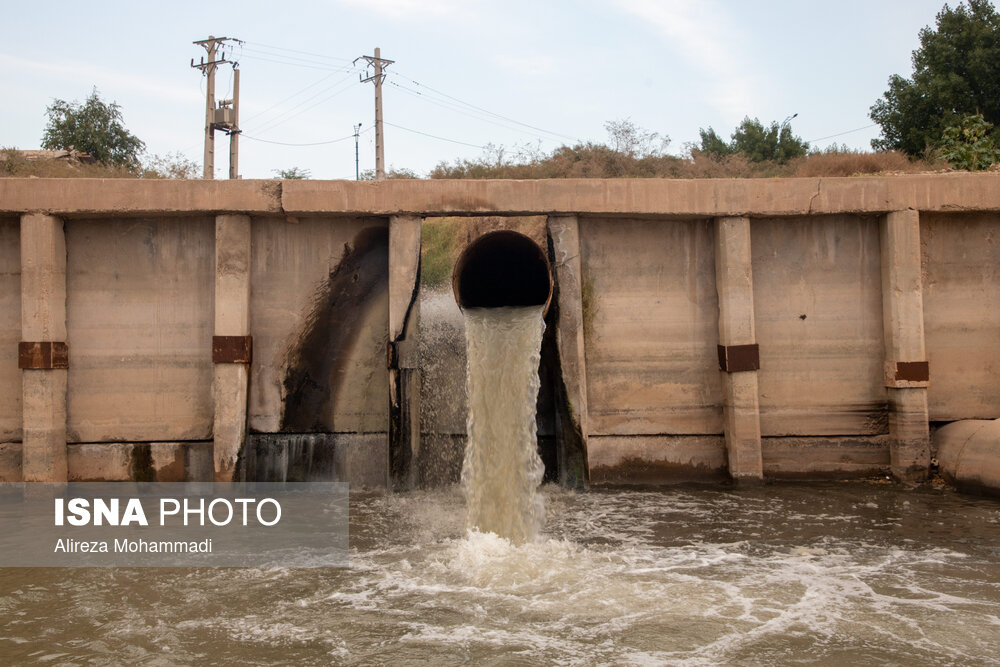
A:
(319, 357)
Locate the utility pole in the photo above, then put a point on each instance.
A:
(378, 77)
(225, 117)
(234, 131)
(357, 168)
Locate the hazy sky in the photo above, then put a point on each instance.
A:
(474, 72)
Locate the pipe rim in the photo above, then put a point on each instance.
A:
(464, 257)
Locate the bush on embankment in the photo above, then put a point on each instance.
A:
(600, 161)
(71, 164)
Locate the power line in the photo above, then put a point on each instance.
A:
(292, 61)
(434, 136)
(486, 111)
(288, 115)
(295, 112)
(305, 53)
(295, 94)
(314, 143)
(465, 112)
(840, 134)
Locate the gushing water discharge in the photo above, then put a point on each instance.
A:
(502, 468)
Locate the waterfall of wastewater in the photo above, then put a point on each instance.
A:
(502, 468)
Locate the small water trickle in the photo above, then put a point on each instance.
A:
(502, 469)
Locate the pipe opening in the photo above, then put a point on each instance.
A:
(502, 268)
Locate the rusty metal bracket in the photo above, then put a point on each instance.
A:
(232, 349)
(901, 374)
(738, 358)
(391, 356)
(44, 355)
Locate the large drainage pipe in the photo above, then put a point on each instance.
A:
(502, 268)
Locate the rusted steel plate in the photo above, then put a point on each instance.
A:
(913, 371)
(738, 358)
(43, 355)
(232, 349)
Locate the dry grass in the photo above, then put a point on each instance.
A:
(852, 163)
(583, 161)
(13, 164)
(33, 164)
(599, 161)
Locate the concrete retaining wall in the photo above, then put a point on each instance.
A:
(650, 327)
(10, 329)
(818, 305)
(812, 295)
(960, 261)
(139, 303)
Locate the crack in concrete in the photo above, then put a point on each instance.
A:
(819, 186)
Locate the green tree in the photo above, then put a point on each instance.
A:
(956, 72)
(713, 144)
(968, 145)
(94, 127)
(774, 143)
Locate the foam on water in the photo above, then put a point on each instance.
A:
(813, 574)
(502, 468)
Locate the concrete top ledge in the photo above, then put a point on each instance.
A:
(82, 197)
(588, 197)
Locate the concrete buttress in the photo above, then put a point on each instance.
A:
(403, 360)
(738, 353)
(565, 234)
(906, 369)
(43, 356)
(231, 344)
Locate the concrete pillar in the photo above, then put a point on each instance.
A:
(739, 357)
(403, 356)
(43, 355)
(573, 429)
(906, 370)
(232, 346)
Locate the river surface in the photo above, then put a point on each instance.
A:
(829, 574)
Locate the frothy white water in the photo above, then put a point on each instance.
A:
(502, 468)
(828, 574)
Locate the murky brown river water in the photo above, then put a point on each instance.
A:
(795, 574)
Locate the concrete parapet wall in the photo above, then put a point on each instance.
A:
(619, 197)
(820, 283)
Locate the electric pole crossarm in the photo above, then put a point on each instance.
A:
(202, 65)
(203, 42)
